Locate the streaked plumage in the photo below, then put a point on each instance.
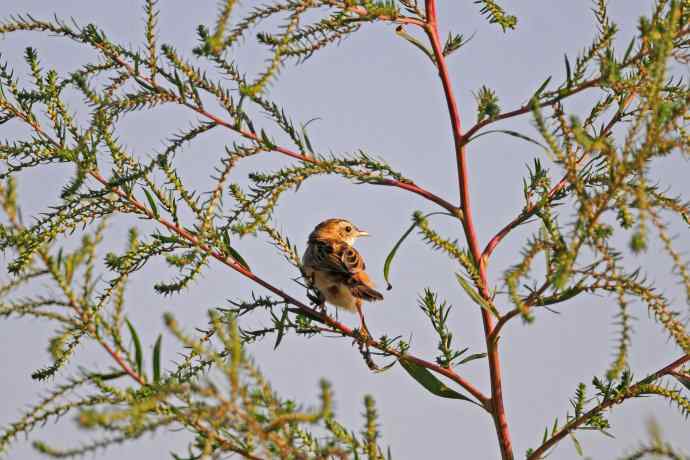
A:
(336, 269)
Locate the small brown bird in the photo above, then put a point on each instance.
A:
(336, 269)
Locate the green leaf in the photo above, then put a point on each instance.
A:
(400, 31)
(138, 355)
(236, 255)
(152, 204)
(568, 73)
(628, 50)
(472, 358)
(391, 254)
(474, 295)
(266, 141)
(578, 447)
(168, 239)
(109, 376)
(541, 89)
(157, 359)
(305, 136)
(232, 252)
(511, 133)
(180, 86)
(281, 328)
(430, 382)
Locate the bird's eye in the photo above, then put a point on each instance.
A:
(348, 229)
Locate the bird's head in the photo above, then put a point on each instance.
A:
(337, 229)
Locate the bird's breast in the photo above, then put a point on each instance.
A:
(333, 289)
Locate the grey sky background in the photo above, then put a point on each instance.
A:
(377, 93)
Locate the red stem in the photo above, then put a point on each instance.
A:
(341, 328)
(530, 210)
(498, 409)
(125, 367)
(539, 453)
(325, 319)
(72, 302)
(528, 108)
(409, 186)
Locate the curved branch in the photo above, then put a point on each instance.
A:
(528, 108)
(532, 209)
(484, 401)
(321, 317)
(72, 303)
(592, 83)
(579, 421)
(149, 83)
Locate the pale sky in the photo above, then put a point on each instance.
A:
(377, 93)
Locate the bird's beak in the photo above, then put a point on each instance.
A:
(362, 233)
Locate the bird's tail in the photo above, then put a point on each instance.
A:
(366, 293)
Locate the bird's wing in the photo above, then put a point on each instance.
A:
(361, 286)
(344, 263)
(335, 256)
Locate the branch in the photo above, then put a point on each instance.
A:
(498, 409)
(404, 20)
(308, 311)
(121, 362)
(532, 209)
(72, 301)
(149, 83)
(235, 265)
(574, 424)
(528, 107)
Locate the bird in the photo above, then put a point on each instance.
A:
(334, 267)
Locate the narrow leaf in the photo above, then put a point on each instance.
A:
(109, 376)
(472, 358)
(511, 133)
(568, 73)
(152, 204)
(168, 239)
(180, 86)
(430, 382)
(541, 89)
(281, 328)
(400, 31)
(628, 50)
(391, 254)
(138, 355)
(578, 447)
(474, 295)
(232, 252)
(157, 359)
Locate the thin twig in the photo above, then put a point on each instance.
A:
(235, 265)
(148, 83)
(322, 317)
(533, 208)
(538, 453)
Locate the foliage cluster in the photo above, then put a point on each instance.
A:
(599, 165)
